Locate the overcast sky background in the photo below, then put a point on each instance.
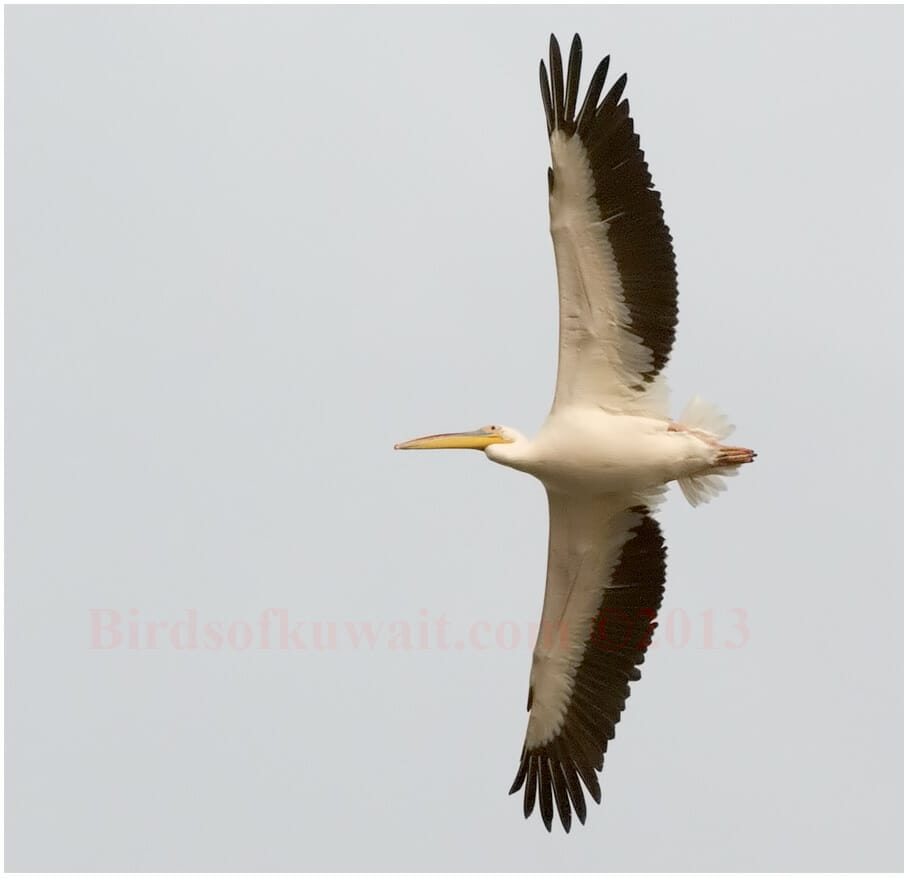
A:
(248, 250)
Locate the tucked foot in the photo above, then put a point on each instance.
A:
(730, 455)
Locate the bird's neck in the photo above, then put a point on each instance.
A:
(518, 454)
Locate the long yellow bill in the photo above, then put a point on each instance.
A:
(478, 439)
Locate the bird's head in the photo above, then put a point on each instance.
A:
(481, 440)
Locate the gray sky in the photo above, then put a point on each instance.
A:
(247, 251)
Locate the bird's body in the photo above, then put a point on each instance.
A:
(609, 447)
(584, 450)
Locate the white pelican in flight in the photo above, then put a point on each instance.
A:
(608, 448)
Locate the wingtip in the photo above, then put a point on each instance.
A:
(555, 51)
(575, 53)
(521, 774)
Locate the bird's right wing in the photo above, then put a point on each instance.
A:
(616, 266)
(604, 585)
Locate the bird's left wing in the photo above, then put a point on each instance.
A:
(616, 266)
(604, 585)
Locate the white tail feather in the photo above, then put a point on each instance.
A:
(702, 489)
(702, 415)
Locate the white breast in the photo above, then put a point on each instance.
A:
(590, 451)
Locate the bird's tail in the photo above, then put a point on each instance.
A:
(708, 423)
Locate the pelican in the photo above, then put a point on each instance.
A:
(608, 448)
